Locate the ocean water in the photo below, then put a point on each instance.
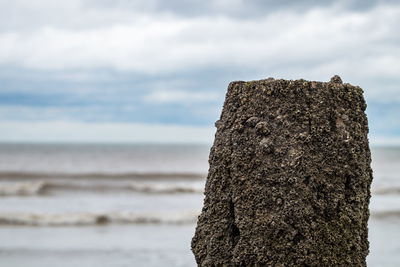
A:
(134, 205)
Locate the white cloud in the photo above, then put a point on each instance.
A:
(180, 96)
(162, 45)
(313, 44)
(70, 131)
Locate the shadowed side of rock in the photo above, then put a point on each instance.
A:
(289, 178)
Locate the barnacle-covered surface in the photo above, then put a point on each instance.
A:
(289, 178)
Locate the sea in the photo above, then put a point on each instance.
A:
(135, 205)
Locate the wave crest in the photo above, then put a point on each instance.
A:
(388, 190)
(126, 175)
(50, 187)
(82, 219)
(22, 189)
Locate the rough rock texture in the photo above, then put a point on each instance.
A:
(289, 178)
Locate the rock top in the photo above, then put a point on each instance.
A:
(336, 79)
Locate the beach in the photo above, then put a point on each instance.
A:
(135, 205)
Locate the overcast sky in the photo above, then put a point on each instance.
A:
(157, 71)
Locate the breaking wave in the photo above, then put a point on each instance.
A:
(49, 187)
(85, 219)
(111, 175)
(22, 189)
(386, 190)
(386, 214)
(82, 219)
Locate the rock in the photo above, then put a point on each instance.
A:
(262, 128)
(289, 178)
(336, 79)
(252, 121)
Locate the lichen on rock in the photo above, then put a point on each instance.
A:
(289, 177)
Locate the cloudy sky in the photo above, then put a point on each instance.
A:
(157, 71)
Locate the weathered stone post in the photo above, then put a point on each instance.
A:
(289, 178)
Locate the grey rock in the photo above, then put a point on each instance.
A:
(336, 79)
(296, 195)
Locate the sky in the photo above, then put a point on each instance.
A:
(157, 71)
